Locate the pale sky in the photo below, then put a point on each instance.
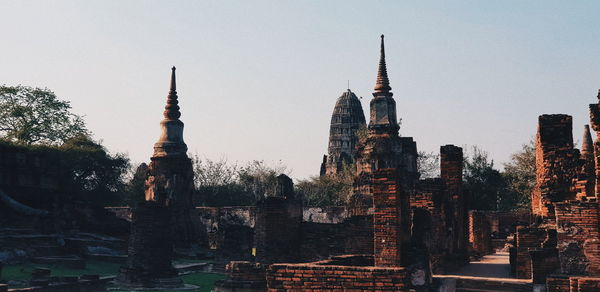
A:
(259, 79)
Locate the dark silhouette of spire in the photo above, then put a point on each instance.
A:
(172, 108)
(383, 82)
(587, 145)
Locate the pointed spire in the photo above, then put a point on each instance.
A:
(170, 142)
(383, 82)
(172, 108)
(587, 146)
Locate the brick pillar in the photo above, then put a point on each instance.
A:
(451, 160)
(150, 249)
(595, 123)
(387, 218)
(556, 164)
(277, 227)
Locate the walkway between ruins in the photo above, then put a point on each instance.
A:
(492, 272)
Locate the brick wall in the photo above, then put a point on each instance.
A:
(315, 277)
(557, 283)
(578, 237)
(479, 232)
(277, 231)
(527, 239)
(387, 218)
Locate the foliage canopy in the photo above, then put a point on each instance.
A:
(37, 116)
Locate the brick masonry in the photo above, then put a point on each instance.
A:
(387, 201)
(317, 277)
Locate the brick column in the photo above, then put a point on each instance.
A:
(556, 164)
(451, 160)
(595, 123)
(387, 218)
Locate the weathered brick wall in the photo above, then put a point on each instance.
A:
(150, 248)
(387, 221)
(277, 230)
(579, 237)
(332, 214)
(430, 195)
(321, 240)
(504, 223)
(587, 285)
(543, 262)
(315, 277)
(479, 232)
(451, 162)
(557, 283)
(595, 123)
(527, 239)
(557, 164)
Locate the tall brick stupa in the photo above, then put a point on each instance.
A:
(383, 147)
(163, 220)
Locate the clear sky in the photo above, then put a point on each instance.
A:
(259, 79)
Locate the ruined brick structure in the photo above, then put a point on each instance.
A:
(278, 223)
(164, 218)
(346, 120)
(556, 164)
(451, 160)
(562, 246)
(480, 237)
(389, 204)
(150, 249)
(395, 229)
(383, 147)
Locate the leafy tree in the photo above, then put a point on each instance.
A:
(428, 164)
(260, 179)
(484, 183)
(210, 173)
(520, 175)
(90, 173)
(36, 116)
(328, 190)
(220, 183)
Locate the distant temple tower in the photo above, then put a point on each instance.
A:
(383, 147)
(347, 119)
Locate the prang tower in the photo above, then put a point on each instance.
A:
(347, 119)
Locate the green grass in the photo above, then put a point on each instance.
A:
(205, 281)
(23, 271)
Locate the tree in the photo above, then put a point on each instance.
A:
(484, 183)
(428, 164)
(36, 116)
(91, 174)
(221, 183)
(520, 175)
(328, 190)
(260, 179)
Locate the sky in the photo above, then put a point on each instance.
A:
(257, 80)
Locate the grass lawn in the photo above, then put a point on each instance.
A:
(23, 271)
(205, 281)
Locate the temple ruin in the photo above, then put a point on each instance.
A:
(399, 232)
